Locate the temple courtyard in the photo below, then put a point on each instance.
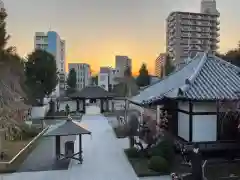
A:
(103, 156)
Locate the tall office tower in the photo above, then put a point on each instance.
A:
(188, 33)
(52, 43)
(159, 64)
(83, 73)
(121, 64)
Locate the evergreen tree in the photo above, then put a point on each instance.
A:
(41, 74)
(169, 67)
(143, 78)
(72, 79)
(4, 37)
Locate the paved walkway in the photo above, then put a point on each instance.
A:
(103, 156)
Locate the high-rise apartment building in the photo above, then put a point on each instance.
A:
(159, 64)
(52, 43)
(83, 73)
(188, 33)
(106, 78)
(121, 64)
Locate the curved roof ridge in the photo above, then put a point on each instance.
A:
(192, 78)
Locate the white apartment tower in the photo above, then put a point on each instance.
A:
(188, 33)
(159, 64)
(83, 73)
(52, 43)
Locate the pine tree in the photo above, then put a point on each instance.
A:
(4, 37)
(143, 78)
(72, 79)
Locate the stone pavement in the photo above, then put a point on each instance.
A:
(103, 158)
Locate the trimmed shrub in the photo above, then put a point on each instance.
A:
(164, 149)
(132, 152)
(159, 164)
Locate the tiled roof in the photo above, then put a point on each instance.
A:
(68, 127)
(206, 77)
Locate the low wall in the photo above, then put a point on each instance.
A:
(15, 162)
(39, 112)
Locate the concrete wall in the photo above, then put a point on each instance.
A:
(204, 126)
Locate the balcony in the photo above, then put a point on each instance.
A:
(184, 22)
(184, 16)
(195, 42)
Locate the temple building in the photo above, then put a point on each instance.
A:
(202, 98)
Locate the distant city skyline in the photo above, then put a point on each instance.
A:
(95, 31)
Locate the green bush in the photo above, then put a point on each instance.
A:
(132, 152)
(159, 164)
(164, 149)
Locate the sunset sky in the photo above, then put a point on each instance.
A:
(97, 30)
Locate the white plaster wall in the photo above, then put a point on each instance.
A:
(183, 106)
(64, 139)
(183, 126)
(72, 105)
(204, 128)
(204, 107)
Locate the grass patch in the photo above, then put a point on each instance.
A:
(12, 148)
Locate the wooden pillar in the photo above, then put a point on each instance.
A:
(126, 110)
(112, 106)
(107, 105)
(101, 106)
(80, 148)
(78, 107)
(218, 121)
(57, 146)
(84, 106)
(190, 121)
